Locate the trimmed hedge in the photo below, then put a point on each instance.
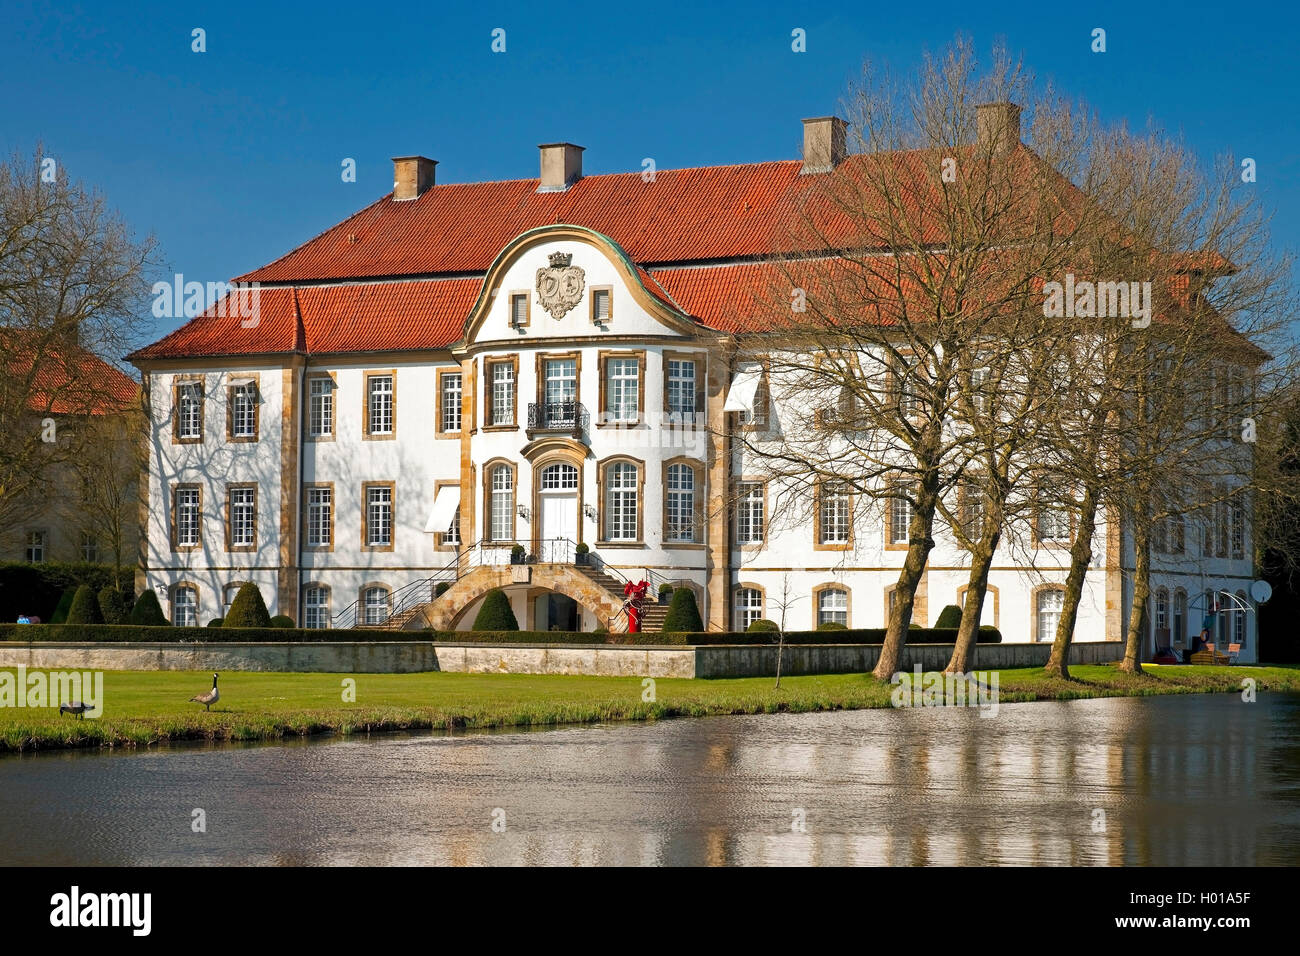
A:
(762, 626)
(271, 635)
(110, 633)
(496, 614)
(683, 613)
(60, 615)
(147, 611)
(950, 616)
(282, 620)
(36, 588)
(85, 607)
(248, 609)
(115, 605)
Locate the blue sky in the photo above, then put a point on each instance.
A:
(231, 157)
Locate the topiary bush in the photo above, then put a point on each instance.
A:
(950, 616)
(248, 609)
(147, 611)
(216, 622)
(683, 613)
(60, 615)
(495, 613)
(114, 606)
(85, 607)
(831, 626)
(762, 625)
(282, 620)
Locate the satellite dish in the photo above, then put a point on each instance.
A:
(1261, 591)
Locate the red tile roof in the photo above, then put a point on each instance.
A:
(61, 380)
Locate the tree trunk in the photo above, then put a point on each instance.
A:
(1132, 662)
(1058, 664)
(918, 553)
(972, 607)
(780, 646)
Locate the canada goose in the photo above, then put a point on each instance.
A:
(74, 707)
(210, 698)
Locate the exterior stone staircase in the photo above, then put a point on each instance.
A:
(653, 619)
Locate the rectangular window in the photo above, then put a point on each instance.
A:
(502, 376)
(1052, 525)
(243, 517)
(243, 410)
(320, 517)
(749, 513)
(973, 502)
(601, 300)
(321, 407)
(185, 607)
(316, 608)
(452, 535)
(375, 606)
(1050, 605)
(757, 417)
(622, 389)
(1237, 516)
(89, 548)
(833, 514)
(559, 393)
(501, 505)
(681, 388)
(621, 503)
(187, 517)
(900, 519)
(519, 309)
(451, 402)
(37, 543)
(379, 393)
(379, 516)
(748, 608)
(189, 411)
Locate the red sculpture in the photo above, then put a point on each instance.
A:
(635, 596)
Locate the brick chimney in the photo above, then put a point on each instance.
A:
(561, 166)
(412, 175)
(997, 127)
(823, 144)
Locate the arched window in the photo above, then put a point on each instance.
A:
(1050, 603)
(621, 502)
(680, 499)
(748, 607)
(501, 505)
(560, 477)
(833, 607)
(374, 605)
(185, 606)
(316, 607)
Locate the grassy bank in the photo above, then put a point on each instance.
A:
(146, 707)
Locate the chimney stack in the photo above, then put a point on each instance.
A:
(823, 144)
(997, 127)
(561, 166)
(412, 175)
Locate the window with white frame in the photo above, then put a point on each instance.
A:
(833, 514)
(321, 407)
(243, 410)
(748, 607)
(833, 607)
(379, 516)
(89, 548)
(600, 305)
(519, 309)
(1237, 518)
(1180, 616)
(1052, 525)
(757, 416)
(451, 537)
(503, 393)
(374, 606)
(680, 495)
(316, 607)
(187, 517)
(621, 503)
(189, 411)
(1239, 620)
(379, 389)
(681, 388)
(185, 606)
(1162, 609)
(1050, 603)
(749, 512)
(451, 401)
(37, 545)
(243, 517)
(900, 517)
(622, 389)
(228, 595)
(501, 521)
(320, 506)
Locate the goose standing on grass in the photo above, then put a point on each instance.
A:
(210, 698)
(74, 707)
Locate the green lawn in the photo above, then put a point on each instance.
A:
(143, 707)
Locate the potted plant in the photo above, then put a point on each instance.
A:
(517, 554)
(581, 553)
(665, 593)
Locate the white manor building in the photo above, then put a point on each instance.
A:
(460, 368)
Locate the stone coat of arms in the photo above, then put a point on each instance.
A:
(559, 287)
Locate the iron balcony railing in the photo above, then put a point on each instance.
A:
(568, 417)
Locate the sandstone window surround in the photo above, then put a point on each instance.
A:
(315, 606)
(621, 492)
(186, 517)
(683, 495)
(185, 604)
(187, 410)
(831, 604)
(243, 408)
(748, 604)
(451, 392)
(380, 405)
(500, 489)
(378, 515)
(321, 391)
(622, 388)
(241, 517)
(500, 393)
(318, 516)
